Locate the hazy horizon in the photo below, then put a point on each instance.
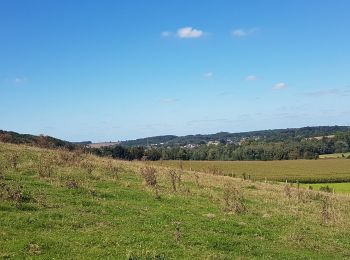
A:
(85, 70)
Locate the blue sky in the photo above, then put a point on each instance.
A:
(115, 70)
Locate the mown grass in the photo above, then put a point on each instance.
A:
(84, 207)
(343, 187)
(306, 171)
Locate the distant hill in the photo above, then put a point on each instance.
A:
(103, 144)
(225, 137)
(40, 141)
(83, 143)
(150, 140)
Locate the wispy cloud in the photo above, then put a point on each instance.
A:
(208, 75)
(241, 32)
(251, 78)
(169, 100)
(20, 80)
(167, 34)
(184, 33)
(280, 86)
(328, 92)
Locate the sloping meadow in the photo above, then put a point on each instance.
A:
(60, 204)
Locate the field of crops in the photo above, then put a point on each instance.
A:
(306, 171)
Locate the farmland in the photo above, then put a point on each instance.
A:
(59, 204)
(307, 171)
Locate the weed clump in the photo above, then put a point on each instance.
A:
(45, 169)
(233, 199)
(149, 175)
(114, 170)
(2, 173)
(34, 249)
(14, 160)
(327, 210)
(287, 190)
(72, 184)
(177, 232)
(89, 167)
(215, 170)
(173, 178)
(14, 194)
(196, 176)
(326, 189)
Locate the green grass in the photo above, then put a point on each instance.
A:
(334, 155)
(307, 171)
(338, 187)
(104, 216)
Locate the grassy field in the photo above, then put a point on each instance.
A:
(56, 204)
(334, 155)
(338, 187)
(308, 171)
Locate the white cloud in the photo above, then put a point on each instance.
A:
(240, 32)
(280, 86)
(251, 78)
(189, 32)
(208, 75)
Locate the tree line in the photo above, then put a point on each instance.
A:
(260, 150)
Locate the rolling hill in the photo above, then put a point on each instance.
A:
(266, 135)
